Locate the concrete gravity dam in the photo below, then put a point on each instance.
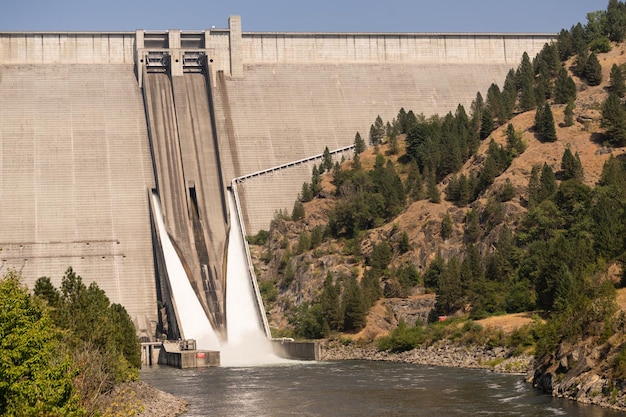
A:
(101, 133)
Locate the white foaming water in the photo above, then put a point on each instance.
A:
(192, 320)
(247, 342)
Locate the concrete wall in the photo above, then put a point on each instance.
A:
(387, 48)
(67, 48)
(304, 351)
(75, 170)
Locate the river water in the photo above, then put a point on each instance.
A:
(359, 389)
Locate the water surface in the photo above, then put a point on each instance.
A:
(359, 388)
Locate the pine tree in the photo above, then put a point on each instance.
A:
(548, 128)
(525, 83)
(486, 123)
(618, 86)
(494, 102)
(547, 182)
(592, 71)
(359, 144)
(354, 306)
(534, 188)
(616, 20)
(569, 114)
(614, 120)
(571, 166)
(327, 160)
(432, 190)
(446, 227)
(564, 87)
(414, 185)
(472, 226)
(581, 62)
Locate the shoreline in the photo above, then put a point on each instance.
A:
(496, 359)
(151, 401)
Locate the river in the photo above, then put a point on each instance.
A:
(359, 389)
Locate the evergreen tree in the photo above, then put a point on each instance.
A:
(377, 132)
(509, 95)
(331, 307)
(581, 63)
(569, 114)
(359, 144)
(414, 185)
(476, 111)
(544, 123)
(449, 291)
(534, 187)
(592, 71)
(618, 86)
(547, 182)
(507, 193)
(495, 102)
(571, 166)
(486, 123)
(472, 226)
(616, 20)
(298, 211)
(525, 83)
(579, 43)
(306, 195)
(432, 191)
(446, 227)
(565, 45)
(614, 120)
(356, 162)
(548, 128)
(327, 161)
(564, 88)
(514, 143)
(353, 306)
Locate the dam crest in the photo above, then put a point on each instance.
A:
(95, 124)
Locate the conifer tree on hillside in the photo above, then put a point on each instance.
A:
(359, 144)
(486, 123)
(618, 86)
(569, 114)
(614, 120)
(544, 123)
(571, 166)
(564, 87)
(592, 70)
(616, 20)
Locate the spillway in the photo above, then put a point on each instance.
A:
(192, 320)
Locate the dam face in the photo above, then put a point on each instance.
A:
(92, 123)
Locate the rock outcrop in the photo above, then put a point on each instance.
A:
(582, 372)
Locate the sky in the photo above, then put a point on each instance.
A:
(298, 15)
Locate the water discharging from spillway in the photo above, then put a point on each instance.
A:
(192, 320)
(247, 343)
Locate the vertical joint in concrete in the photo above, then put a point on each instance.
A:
(236, 50)
(176, 58)
(139, 55)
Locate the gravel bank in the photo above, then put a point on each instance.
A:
(441, 354)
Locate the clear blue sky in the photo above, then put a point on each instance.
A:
(298, 15)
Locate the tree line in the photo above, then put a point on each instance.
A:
(62, 349)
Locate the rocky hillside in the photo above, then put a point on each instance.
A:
(421, 221)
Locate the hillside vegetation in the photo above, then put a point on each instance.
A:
(514, 206)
